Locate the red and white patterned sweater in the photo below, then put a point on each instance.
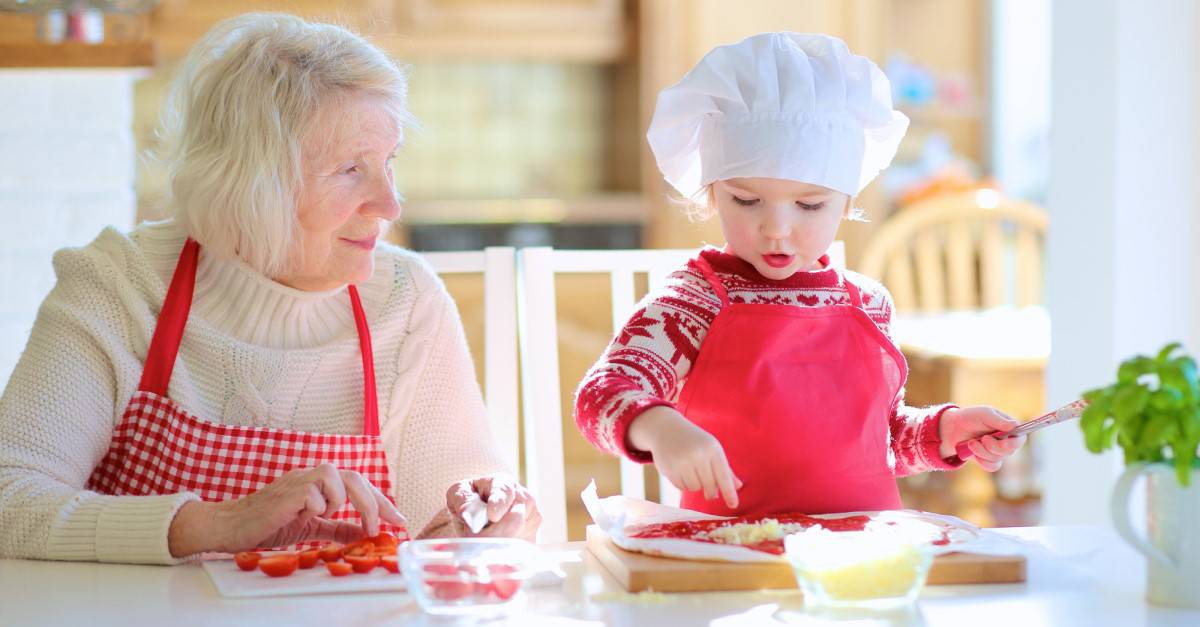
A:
(647, 363)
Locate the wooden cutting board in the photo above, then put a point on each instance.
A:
(636, 571)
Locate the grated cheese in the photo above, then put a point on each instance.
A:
(751, 533)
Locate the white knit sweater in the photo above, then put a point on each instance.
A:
(254, 352)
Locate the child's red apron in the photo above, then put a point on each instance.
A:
(800, 400)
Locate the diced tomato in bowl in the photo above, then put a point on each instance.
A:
(467, 576)
(504, 581)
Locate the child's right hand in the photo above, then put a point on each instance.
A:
(688, 456)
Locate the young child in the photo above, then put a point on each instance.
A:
(759, 373)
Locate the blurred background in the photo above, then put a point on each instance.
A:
(532, 121)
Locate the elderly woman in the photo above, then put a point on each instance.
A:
(260, 369)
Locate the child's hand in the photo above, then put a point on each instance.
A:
(688, 456)
(968, 423)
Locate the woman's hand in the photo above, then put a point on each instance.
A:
(512, 511)
(293, 508)
(968, 424)
(688, 456)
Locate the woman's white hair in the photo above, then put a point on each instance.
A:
(235, 120)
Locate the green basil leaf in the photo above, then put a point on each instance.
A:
(1166, 351)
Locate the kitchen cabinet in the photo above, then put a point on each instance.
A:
(593, 31)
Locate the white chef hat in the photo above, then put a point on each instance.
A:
(792, 106)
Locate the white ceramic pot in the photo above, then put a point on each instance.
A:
(1172, 542)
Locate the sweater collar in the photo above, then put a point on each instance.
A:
(726, 262)
(242, 303)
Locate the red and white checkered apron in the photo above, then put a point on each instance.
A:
(159, 448)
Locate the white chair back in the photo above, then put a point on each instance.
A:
(498, 266)
(540, 383)
(538, 345)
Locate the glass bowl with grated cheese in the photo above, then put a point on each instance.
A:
(872, 569)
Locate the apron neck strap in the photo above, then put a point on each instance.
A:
(714, 281)
(168, 333)
(164, 346)
(370, 400)
(852, 290)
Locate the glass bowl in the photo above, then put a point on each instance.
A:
(874, 570)
(468, 576)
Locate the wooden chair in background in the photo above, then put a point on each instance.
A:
(958, 252)
(965, 271)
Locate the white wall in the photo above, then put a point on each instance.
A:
(1122, 256)
(66, 171)
(1020, 92)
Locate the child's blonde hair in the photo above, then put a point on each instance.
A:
(701, 207)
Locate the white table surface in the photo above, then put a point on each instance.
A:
(1087, 577)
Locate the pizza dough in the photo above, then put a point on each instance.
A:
(645, 527)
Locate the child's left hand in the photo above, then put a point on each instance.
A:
(968, 423)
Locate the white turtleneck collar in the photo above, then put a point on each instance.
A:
(236, 300)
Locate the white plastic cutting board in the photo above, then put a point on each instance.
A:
(234, 582)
